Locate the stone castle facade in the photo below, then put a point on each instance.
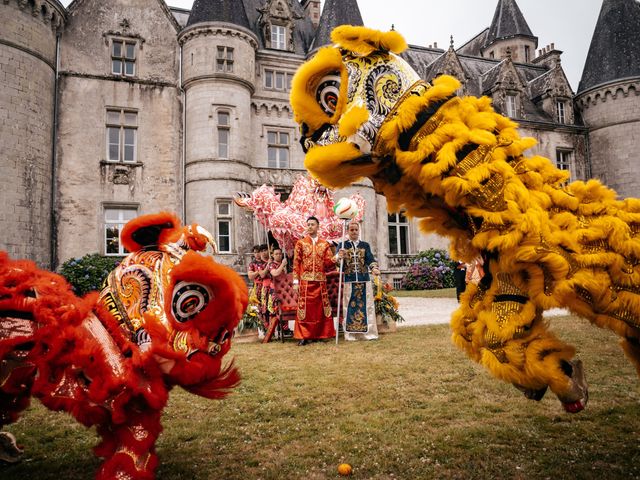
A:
(112, 109)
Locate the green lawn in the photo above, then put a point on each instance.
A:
(408, 406)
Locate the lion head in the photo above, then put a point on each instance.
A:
(347, 99)
(175, 303)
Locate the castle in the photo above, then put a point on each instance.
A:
(112, 109)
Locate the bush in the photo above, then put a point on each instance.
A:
(432, 269)
(88, 273)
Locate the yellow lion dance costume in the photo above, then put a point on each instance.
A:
(459, 166)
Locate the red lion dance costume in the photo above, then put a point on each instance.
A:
(164, 318)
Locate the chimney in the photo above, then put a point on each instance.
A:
(312, 9)
(548, 56)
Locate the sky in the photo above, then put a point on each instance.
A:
(569, 24)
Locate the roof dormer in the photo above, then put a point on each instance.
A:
(277, 23)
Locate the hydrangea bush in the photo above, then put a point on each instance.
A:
(432, 269)
(88, 273)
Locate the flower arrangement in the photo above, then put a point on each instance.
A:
(251, 318)
(386, 305)
(431, 270)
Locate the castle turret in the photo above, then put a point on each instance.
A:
(334, 14)
(28, 58)
(218, 65)
(509, 35)
(608, 96)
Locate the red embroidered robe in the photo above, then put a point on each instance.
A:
(313, 316)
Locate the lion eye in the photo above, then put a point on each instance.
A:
(327, 93)
(189, 299)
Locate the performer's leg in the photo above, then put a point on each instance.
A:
(10, 452)
(518, 348)
(347, 292)
(16, 380)
(464, 322)
(372, 326)
(129, 448)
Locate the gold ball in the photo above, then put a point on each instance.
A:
(344, 469)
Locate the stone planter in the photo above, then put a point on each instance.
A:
(390, 326)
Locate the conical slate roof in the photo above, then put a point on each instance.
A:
(615, 47)
(507, 22)
(334, 14)
(229, 11)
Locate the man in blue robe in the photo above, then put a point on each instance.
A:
(357, 300)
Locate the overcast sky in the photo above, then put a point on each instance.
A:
(569, 24)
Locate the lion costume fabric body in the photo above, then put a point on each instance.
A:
(459, 166)
(165, 317)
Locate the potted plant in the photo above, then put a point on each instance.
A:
(247, 330)
(387, 315)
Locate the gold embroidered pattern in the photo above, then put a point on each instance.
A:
(595, 246)
(139, 432)
(475, 158)
(584, 294)
(616, 288)
(504, 310)
(494, 345)
(546, 248)
(630, 265)
(627, 317)
(477, 298)
(427, 129)
(500, 227)
(490, 196)
(507, 287)
(548, 280)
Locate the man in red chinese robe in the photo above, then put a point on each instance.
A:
(312, 258)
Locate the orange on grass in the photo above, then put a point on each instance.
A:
(345, 469)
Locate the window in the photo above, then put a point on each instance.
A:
(276, 80)
(123, 57)
(224, 132)
(277, 149)
(527, 53)
(562, 118)
(511, 106)
(122, 129)
(398, 234)
(278, 39)
(114, 220)
(563, 159)
(224, 60)
(223, 225)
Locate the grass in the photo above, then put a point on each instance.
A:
(441, 293)
(409, 406)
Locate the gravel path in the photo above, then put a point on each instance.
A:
(427, 311)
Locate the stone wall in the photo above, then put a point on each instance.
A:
(27, 71)
(87, 182)
(568, 138)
